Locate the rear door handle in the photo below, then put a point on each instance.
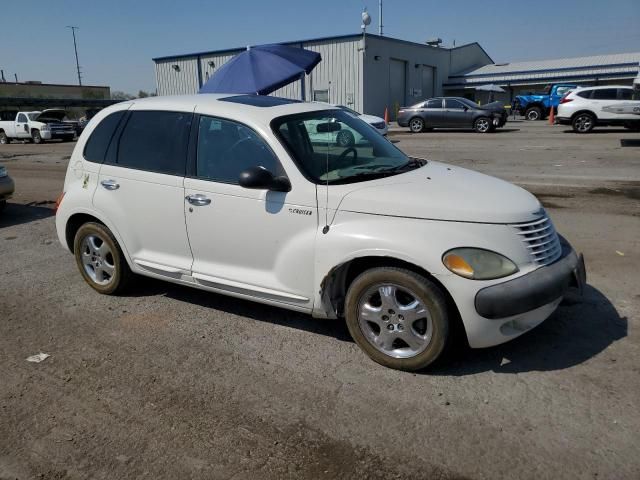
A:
(198, 199)
(110, 184)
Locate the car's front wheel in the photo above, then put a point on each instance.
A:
(483, 125)
(100, 259)
(583, 123)
(533, 113)
(36, 137)
(416, 125)
(397, 317)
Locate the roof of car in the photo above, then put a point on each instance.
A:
(601, 87)
(264, 107)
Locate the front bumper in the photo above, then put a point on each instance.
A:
(6, 188)
(534, 290)
(502, 311)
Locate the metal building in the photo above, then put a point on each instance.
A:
(367, 73)
(518, 77)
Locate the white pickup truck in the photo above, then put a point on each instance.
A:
(37, 127)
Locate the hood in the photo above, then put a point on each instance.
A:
(493, 106)
(371, 118)
(442, 192)
(51, 114)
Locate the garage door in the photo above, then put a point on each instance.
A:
(397, 85)
(428, 73)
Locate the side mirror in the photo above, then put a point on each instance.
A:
(260, 178)
(328, 127)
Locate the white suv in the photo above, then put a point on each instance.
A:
(586, 107)
(229, 194)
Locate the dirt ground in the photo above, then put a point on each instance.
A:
(171, 382)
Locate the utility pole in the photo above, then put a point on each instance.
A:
(75, 48)
(380, 17)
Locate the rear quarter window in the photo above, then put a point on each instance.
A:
(584, 93)
(96, 147)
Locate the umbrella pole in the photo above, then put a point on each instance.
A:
(302, 88)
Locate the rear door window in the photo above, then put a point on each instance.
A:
(155, 141)
(605, 94)
(434, 103)
(96, 147)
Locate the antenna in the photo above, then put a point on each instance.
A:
(75, 48)
(380, 18)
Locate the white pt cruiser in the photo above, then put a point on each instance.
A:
(229, 194)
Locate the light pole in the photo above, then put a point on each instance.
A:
(75, 48)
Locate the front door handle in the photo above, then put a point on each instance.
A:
(198, 199)
(110, 184)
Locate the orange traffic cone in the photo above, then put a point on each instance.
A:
(386, 115)
(552, 116)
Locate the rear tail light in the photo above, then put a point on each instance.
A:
(566, 100)
(58, 202)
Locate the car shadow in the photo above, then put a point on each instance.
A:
(580, 329)
(600, 131)
(145, 286)
(17, 214)
(630, 142)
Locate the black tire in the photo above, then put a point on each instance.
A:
(35, 137)
(4, 140)
(416, 125)
(583, 122)
(3, 204)
(118, 281)
(482, 125)
(533, 114)
(424, 290)
(345, 139)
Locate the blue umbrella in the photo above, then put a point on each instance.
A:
(262, 70)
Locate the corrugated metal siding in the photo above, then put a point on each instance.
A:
(340, 72)
(172, 82)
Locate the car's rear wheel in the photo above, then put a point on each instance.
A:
(35, 136)
(3, 138)
(583, 123)
(345, 138)
(100, 259)
(416, 125)
(533, 113)
(482, 125)
(397, 317)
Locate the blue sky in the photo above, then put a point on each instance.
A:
(117, 39)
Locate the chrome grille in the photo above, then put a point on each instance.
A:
(541, 240)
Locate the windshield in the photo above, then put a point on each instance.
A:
(335, 147)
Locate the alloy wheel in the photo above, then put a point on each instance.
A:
(583, 123)
(394, 320)
(98, 260)
(416, 125)
(483, 125)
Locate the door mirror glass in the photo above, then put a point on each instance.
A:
(260, 178)
(328, 127)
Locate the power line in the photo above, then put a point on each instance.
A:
(75, 48)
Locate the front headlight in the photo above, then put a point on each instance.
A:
(478, 264)
(45, 128)
(3, 172)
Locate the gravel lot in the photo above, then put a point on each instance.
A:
(170, 382)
